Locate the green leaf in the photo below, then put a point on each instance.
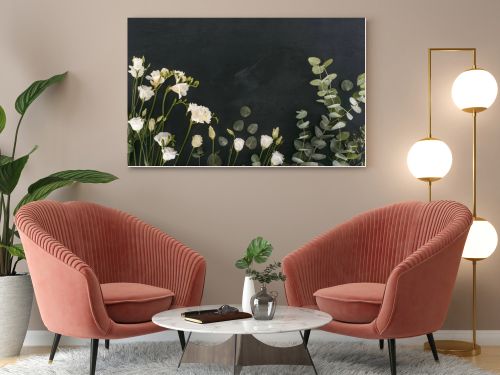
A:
(251, 142)
(342, 136)
(327, 63)
(314, 61)
(318, 156)
(317, 69)
(245, 111)
(242, 264)
(255, 158)
(214, 160)
(252, 128)
(346, 85)
(315, 82)
(301, 114)
(29, 95)
(222, 141)
(15, 250)
(361, 80)
(4, 159)
(339, 125)
(3, 119)
(259, 250)
(303, 124)
(10, 172)
(318, 143)
(238, 125)
(230, 132)
(42, 188)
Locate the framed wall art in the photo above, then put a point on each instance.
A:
(264, 92)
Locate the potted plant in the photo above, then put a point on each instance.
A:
(259, 250)
(16, 291)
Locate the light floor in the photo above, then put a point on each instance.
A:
(488, 360)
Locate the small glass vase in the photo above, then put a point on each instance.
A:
(263, 304)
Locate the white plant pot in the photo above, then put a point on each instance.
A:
(248, 292)
(16, 298)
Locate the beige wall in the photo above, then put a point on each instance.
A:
(82, 124)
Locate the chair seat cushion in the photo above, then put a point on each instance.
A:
(135, 303)
(351, 303)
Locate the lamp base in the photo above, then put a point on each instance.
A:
(456, 348)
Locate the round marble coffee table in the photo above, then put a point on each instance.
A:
(242, 348)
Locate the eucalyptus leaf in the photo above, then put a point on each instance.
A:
(314, 61)
(361, 80)
(342, 136)
(245, 111)
(297, 160)
(251, 142)
(315, 82)
(222, 141)
(214, 160)
(238, 125)
(339, 125)
(29, 95)
(327, 63)
(252, 128)
(346, 85)
(318, 132)
(318, 156)
(255, 158)
(301, 114)
(317, 69)
(340, 156)
(303, 124)
(318, 143)
(310, 164)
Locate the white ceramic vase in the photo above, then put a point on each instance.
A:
(248, 292)
(16, 298)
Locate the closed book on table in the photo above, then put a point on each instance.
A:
(212, 317)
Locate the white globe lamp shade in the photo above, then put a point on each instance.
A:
(474, 90)
(429, 159)
(481, 241)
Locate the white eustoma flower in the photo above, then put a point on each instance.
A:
(238, 144)
(169, 153)
(197, 141)
(136, 70)
(211, 133)
(265, 141)
(151, 124)
(136, 123)
(145, 93)
(276, 132)
(155, 78)
(163, 138)
(180, 89)
(277, 158)
(199, 113)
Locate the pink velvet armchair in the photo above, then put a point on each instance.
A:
(385, 274)
(99, 273)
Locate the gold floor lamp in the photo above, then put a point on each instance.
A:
(430, 159)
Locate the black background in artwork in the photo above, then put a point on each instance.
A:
(261, 63)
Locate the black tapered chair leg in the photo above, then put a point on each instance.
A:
(392, 355)
(106, 344)
(94, 346)
(432, 344)
(182, 339)
(381, 344)
(307, 333)
(55, 344)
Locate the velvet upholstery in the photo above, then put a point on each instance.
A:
(133, 302)
(72, 248)
(351, 303)
(414, 248)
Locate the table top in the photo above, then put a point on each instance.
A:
(286, 319)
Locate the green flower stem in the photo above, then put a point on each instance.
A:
(190, 154)
(184, 142)
(134, 93)
(142, 150)
(260, 156)
(267, 154)
(236, 157)
(230, 154)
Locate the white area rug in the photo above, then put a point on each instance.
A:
(161, 358)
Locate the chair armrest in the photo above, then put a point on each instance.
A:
(419, 289)
(165, 262)
(321, 263)
(67, 290)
